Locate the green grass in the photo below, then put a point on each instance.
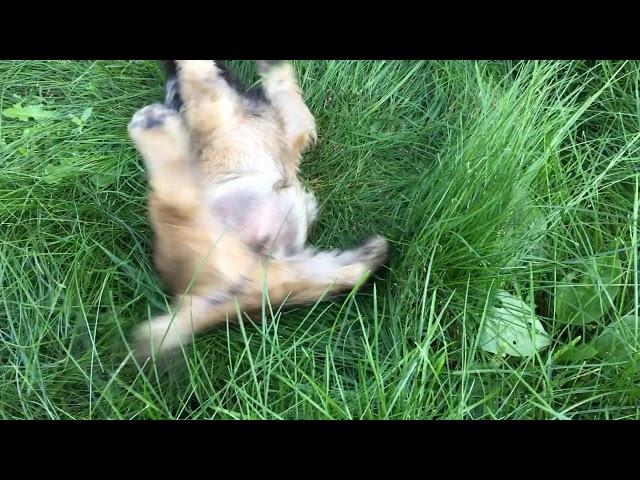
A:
(483, 175)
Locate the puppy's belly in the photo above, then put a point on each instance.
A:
(266, 220)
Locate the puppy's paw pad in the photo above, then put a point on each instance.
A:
(151, 117)
(374, 251)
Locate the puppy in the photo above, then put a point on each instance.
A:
(228, 211)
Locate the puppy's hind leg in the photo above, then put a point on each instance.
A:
(298, 280)
(308, 276)
(194, 314)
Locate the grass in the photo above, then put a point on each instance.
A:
(483, 175)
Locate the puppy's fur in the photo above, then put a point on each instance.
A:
(229, 214)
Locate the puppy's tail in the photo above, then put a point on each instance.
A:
(172, 97)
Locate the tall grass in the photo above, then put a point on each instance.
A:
(483, 175)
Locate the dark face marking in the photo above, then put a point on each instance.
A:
(229, 77)
(254, 95)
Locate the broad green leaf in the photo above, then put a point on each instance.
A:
(83, 118)
(607, 271)
(559, 352)
(587, 299)
(512, 328)
(578, 303)
(25, 113)
(86, 114)
(54, 173)
(376, 126)
(577, 353)
(67, 162)
(621, 340)
(103, 179)
(536, 228)
(530, 228)
(632, 371)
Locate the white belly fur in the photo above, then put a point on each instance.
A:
(267, 220)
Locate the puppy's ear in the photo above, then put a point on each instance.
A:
(172, 97)
(170, 67)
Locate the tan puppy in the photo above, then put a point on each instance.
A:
(229, 214)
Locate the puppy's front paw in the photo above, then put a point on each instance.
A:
(159, 134)
(155, 116)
